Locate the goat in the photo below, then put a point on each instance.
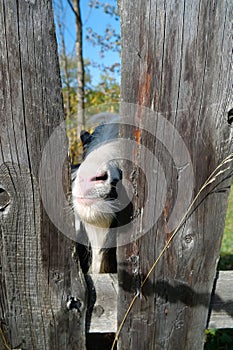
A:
(95, 193)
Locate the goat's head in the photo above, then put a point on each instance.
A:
(95, 185)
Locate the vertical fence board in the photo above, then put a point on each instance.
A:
(176, 61)
(39, 272)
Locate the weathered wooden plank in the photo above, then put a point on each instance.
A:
(104, 316)
(39, 275)
(174, 83)
(221, 307)
(103, 310)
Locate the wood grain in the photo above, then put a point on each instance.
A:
(104, 317)
(176, 58)
(221, 307)
(39, 272)
(103, 314)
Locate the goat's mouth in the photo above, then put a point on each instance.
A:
(94, 211)
(87, 200)
(92, 200)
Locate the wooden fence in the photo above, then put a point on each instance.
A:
(176, 62)
(38, 271)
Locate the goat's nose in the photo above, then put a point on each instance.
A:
(86, 181)
(101, 177)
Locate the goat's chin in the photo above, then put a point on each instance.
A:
(98, 214)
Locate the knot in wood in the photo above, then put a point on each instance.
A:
(4, 199)
(73, 303)
(98, 310)
(230, 116)
(188, 239)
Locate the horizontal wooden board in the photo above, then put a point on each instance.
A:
(104, 315)
(221, 310)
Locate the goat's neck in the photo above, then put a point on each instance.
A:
(97, 237)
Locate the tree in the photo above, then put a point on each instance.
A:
(60, 13)
(101, 98)
(81, 97)
(80, 63)
(75, 5)
(110, 40)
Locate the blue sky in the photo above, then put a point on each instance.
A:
(97, 20)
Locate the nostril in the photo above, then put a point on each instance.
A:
(100, 177)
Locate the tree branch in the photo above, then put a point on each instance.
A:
(72, 7)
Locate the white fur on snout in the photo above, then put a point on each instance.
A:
(89, 196)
